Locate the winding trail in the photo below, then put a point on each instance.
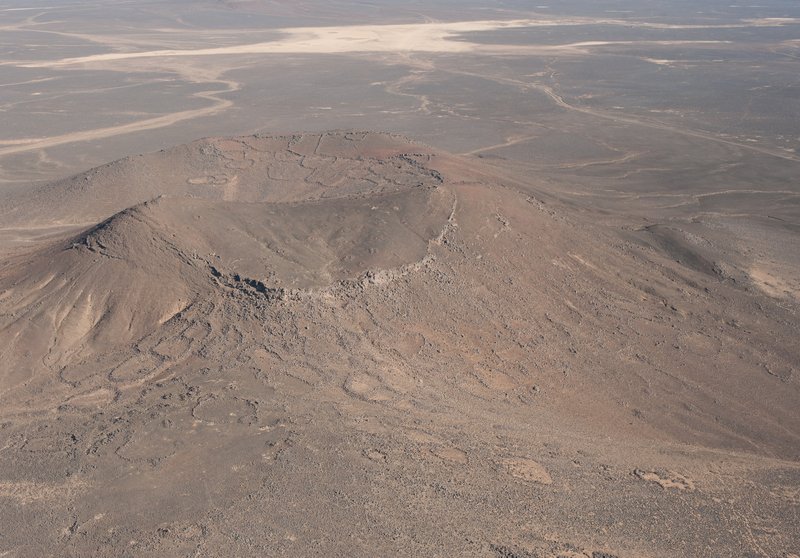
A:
(661, 126)
(558, 100)
(219, 104)
(428, 37)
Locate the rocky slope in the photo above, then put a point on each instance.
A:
(349, 344)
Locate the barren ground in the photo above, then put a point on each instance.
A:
(560, 321)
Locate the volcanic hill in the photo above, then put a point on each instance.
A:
(348, 344)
